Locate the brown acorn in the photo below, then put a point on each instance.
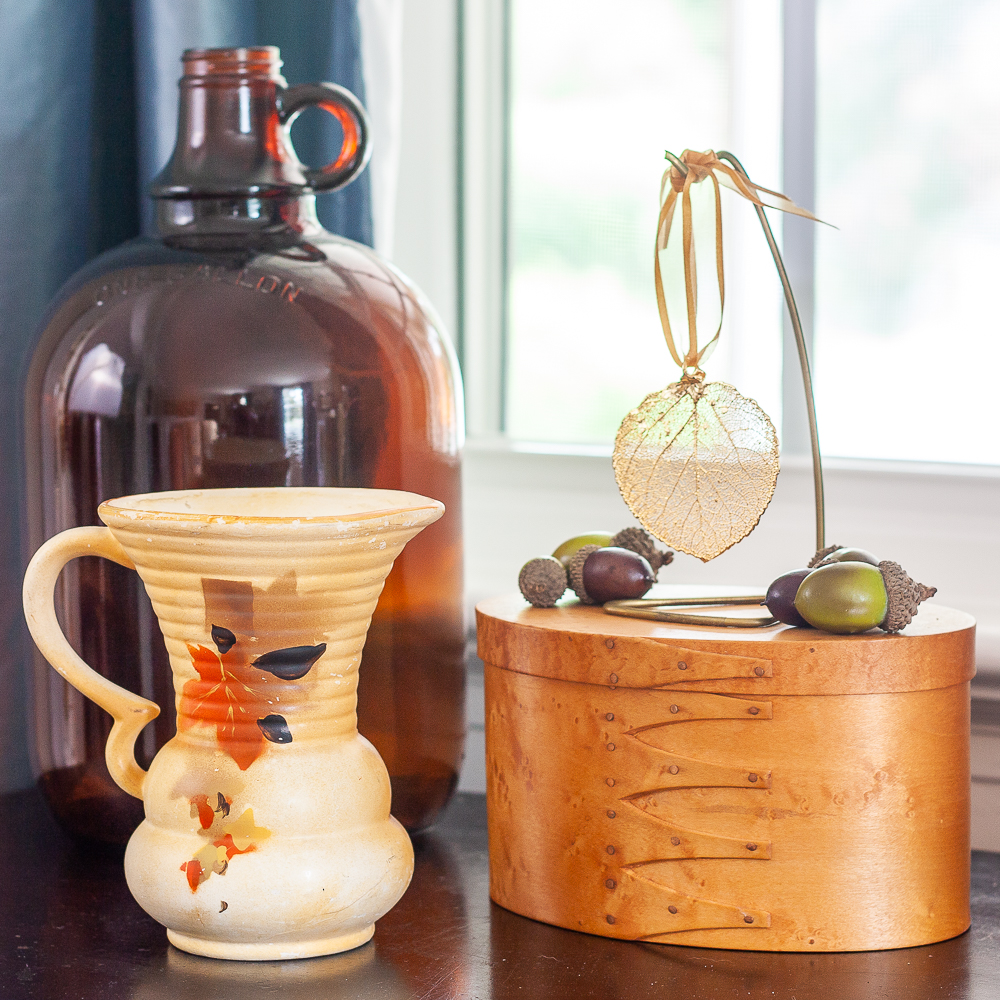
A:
(575, 572)
(642, 542)
(542, 581)
(613, 574)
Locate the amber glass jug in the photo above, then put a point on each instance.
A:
(246, 346)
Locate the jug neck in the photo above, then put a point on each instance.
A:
(233, 172)
(224, 222)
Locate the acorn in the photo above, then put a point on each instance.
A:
(569, 548)
(838, 553)
(847, 597)
(821, 555)
(780, 598)
(843, 598)
(542, 581)
(614, 574)
(575, 572)
(640, 541)
(905, 595)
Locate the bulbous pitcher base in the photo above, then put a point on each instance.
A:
(294, 856)
(302, 897)
(248, 893)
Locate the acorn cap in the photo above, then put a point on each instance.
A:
(817, 559)
(542, 581)
(575, 572)
(904, 596)
(643, 543)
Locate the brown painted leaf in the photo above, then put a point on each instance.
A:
(697, 465)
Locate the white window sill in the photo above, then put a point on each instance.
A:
(940, 521)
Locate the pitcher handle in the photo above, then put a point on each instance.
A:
(130, 712)
(355, 148)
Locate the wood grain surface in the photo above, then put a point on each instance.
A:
(781, 790)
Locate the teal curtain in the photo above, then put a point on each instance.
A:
(89, 97)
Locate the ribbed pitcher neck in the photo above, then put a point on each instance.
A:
(240, 703)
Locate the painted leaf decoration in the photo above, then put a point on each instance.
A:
(241, 836)
(697, 464)
(275, 728)
(228, 695)
(223, 638)
(290, 663)
(239, 698)
(202, 811)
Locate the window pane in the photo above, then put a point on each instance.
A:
(908, 144)
(597, 92)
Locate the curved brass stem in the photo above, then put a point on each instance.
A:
(656, 609)
(800, 343)
(683, 602)
(676, 161)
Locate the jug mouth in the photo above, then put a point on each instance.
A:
(262, 61)
(269, 505)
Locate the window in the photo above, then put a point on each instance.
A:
(908, 165)
(593, 100)
(523, 495)
(904, 94)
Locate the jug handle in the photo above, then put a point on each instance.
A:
(130, 712)
(356, 148)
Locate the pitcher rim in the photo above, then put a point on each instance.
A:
(115, 508)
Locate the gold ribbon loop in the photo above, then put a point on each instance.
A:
(698, 167)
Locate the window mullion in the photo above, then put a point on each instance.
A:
(798, 164)
(483, 211)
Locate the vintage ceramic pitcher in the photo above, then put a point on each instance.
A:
(267, 831)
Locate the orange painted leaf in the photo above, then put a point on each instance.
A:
(229, 696)
(202, 810)
(231, 848)
(193, 871)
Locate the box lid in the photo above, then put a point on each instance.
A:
(574, 642)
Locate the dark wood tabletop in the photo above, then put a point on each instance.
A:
(69, 929)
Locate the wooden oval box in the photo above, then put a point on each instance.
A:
(772, 789)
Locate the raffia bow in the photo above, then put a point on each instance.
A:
(699, 167)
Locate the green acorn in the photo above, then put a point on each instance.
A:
(840, 553)
(850, 596)
(569, 548)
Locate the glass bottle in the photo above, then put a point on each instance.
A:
(244, 345)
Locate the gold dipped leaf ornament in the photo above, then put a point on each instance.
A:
(697, 462)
